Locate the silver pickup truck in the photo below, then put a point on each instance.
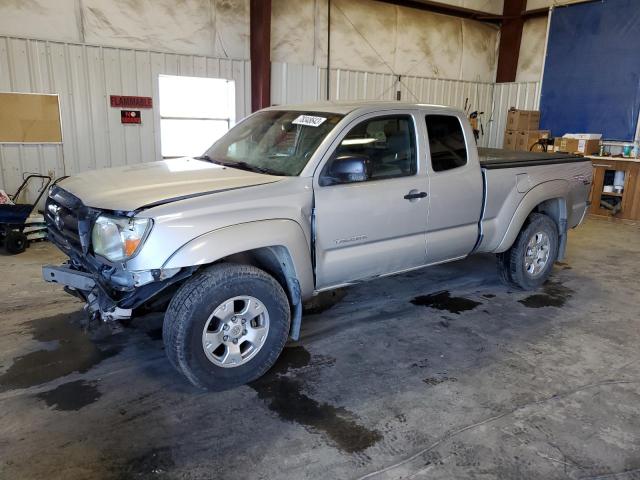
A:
(295, 200)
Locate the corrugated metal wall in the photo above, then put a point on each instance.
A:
(523, 95)
(305, 83)
(84, 76)
(302, 83)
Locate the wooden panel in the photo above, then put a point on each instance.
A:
(29, 118)
(630, 194)
(596, 188)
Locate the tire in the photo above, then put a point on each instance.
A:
(15, 242)
(202, 302)
(515, 268)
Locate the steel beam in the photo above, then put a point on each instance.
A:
(510, 37)
(260, 52)
(445, 9)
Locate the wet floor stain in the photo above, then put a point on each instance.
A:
(444, 301)
(291, 358)
(324, 301)
(554, 294)
(565, 266)
(72, 351)
(284, 395)
(155, 334)
(71, 396)
(438, 380)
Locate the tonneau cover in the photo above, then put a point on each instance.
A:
(492, 158)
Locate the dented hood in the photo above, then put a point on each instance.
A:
(137, 186)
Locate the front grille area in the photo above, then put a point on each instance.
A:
(63, 215)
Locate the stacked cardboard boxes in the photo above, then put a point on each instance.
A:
(523, 130)
(583, 143)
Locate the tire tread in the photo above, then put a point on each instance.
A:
(193, 292)
(509, 262)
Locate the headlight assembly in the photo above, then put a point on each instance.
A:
(119, 238)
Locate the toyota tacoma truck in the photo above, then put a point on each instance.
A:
(293, 201)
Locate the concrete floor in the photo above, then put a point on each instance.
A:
(396, 380)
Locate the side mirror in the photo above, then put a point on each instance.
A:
(347, 169)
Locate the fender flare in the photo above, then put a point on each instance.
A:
(551, 190)
(283, 238)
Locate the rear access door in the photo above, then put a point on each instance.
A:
(376, 226)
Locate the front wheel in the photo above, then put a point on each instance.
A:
(529, 261)
(226, 326)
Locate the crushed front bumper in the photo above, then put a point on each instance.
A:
(104, 300)
(68, 277)
(110, 290)
(83, 285)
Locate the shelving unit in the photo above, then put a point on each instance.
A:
(629, 198)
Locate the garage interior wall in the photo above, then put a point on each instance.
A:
(86, 50)
(378, 37)
(84, 76)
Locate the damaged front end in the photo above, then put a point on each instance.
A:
(110, 290)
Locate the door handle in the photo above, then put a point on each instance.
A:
(414, 195)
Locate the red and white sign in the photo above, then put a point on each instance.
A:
(122, 101)
(130, 116)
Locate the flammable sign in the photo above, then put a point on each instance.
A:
(130, 116)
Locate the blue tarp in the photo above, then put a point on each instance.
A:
(591, 81)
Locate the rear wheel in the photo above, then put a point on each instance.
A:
(226, 326)
(529, 261)
(15, 242)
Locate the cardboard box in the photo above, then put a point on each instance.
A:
(523, 120)
(574, 145)
(526, 140)
(510, 138)
(583, 136)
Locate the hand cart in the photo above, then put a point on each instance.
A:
(13, 217)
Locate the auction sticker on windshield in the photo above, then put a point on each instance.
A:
(309, 120)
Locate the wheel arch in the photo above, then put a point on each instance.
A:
(279, 247)
(549, 198)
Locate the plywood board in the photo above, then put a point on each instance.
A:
(29, 118)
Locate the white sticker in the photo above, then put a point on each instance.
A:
(309, 120)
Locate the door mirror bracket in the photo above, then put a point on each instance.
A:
(347, 169)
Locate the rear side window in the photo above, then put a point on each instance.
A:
(446, 142)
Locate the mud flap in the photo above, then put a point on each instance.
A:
(562, 243)
(296, 309)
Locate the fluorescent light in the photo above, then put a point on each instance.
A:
(358, 141)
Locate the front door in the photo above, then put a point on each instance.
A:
(372, 224)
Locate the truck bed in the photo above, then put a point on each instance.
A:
(494, 158)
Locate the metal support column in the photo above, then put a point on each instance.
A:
(260, 51)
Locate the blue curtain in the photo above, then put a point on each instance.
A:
(591, 81)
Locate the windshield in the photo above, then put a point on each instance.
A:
(277, 142)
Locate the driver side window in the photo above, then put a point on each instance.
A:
(376, 149)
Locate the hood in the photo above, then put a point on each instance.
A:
(131, 187)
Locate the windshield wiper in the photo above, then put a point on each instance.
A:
(241, 166)
(251, 168)
(206, 158)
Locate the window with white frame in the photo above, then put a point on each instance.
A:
(194, 113)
